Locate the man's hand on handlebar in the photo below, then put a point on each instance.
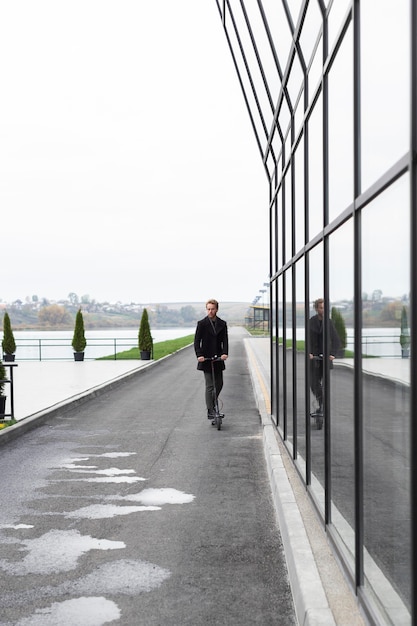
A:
(319, 357)
(223, 357)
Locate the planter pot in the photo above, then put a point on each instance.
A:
(78, 356)
(405, 353)
(2, 406)
(145, 355)
(8, 357)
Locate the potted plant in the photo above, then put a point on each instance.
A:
(145, 337)
(8, 343)
(78, 341)
(2, 396)
(405, 334)
(340, 326)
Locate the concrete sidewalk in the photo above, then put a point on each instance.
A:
(321, 594)
(41, 386)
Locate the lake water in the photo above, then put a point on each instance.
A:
(375, 341)
(56, 345)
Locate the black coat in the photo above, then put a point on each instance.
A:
(209, 342)
(317, 339)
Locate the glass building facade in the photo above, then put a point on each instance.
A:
(330, 87)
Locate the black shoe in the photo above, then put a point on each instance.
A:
(210, 414)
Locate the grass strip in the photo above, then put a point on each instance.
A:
(160, 349)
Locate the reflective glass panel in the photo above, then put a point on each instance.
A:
(385, 77)
(288, 352)
(274, 333)
(300, 359)
(310, 31)
(341, 129)
(314, 342)
(288, 215)
(299, 196)
(280, 359)
(264, 102)
(336, 18)
(264, 50)
(386, 398)
(280, 30)
(315, 70)
(315, 164)
(341, 410)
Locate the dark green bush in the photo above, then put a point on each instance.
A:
(405, 331)
(339, 324)
(2, 377)
(145, 337)
(78, 341)
(8, 343)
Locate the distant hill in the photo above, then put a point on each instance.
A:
(102, 316)
(232, 312)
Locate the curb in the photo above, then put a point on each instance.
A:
(310, 600)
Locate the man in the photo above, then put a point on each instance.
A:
(211, 340)
(317, 350)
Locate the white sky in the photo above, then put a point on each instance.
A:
(128, 166)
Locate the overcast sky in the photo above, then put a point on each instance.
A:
(128, 166)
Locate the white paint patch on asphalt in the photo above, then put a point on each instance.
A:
(95, 611)
(56, 551)
(103, 511)
(114, 455)
(16, 526)
(111, 471)
(157, 497)
(74, 466)
(109, 479)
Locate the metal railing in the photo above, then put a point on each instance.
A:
(54, 349)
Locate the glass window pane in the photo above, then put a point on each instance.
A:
(299, 196)
(315, 70)
(310, 31)
(315, 164)
(341, 129)
(288, 356)
(288, 216)
(294, 6)
(261, 92)
(257, 120)
(264, 50)
(300, 364)
(280, 359)
(341, 409)
(315, 377)
(280, 30)
(386, 398)
(385, 78)
(336, 18)
(295, 81)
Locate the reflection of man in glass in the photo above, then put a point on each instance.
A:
(317, 350)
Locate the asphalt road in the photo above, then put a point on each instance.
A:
(132, 509)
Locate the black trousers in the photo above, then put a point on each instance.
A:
(208, 379)
(316, 380)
